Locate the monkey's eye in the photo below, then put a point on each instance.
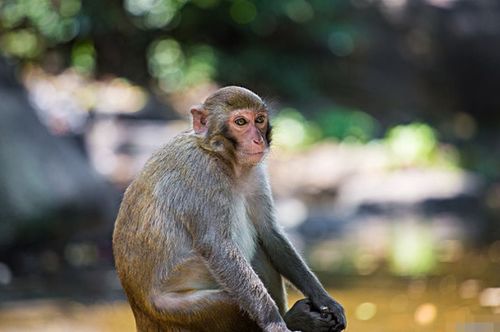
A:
(240, 121)
(260, 119)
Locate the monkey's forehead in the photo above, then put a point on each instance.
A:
(228, 109)
(238, 111)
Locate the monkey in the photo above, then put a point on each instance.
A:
(196, 244)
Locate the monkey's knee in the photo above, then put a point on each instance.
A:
(202, 310)
(191, 302)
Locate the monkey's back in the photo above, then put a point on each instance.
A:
(150, 246)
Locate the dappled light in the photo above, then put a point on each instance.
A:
(243, 12)
(153, 13)
(176, 70)
(366, 311)
(384, 162)
(64, 101)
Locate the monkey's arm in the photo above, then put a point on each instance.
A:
(235, 275)
(212, 240)
(289, 263)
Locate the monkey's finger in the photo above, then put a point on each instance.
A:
(324, 323)
(328, 317)
(338, 327)
(324, 311)
(322, 326)
(319, 317)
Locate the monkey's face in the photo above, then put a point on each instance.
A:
(250, 130)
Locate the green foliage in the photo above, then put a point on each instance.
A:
(243, 37)
(176, 69)
(152, 14)
(303, 51)
(83, 57)
(417, 144)
(412, 251)
(299, 11)
(347, 125)
(243, 11)
(413, 143)
(206, 3)
(49, 21)
(292, 131)
(22, 43)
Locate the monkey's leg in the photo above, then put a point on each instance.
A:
(145, 323)
(202, 310)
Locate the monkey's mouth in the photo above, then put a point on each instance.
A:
(260, 153)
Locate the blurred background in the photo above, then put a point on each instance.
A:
(385, 165)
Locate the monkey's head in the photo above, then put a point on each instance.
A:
(234, 123)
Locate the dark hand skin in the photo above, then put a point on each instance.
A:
(334, 311)
(302, 317)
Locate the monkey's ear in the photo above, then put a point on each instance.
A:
(199, 119)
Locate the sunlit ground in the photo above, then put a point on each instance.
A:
(368, 309)
(449, 302)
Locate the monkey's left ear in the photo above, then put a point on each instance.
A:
(199, 119)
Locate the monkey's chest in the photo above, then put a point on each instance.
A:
(243, 231)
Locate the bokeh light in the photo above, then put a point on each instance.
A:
(347, 125)
(292, 131)
(83, 57)
(243, 11)
(469, 289)
(21, 43)
(366, 311)
(299, 11)
(154, 13)
(384, 162)
(412, 143)
(341, 43)
(5, 274)
(176, 69)
(412, 253)
(425, 314)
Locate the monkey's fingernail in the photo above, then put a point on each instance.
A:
(324, 311)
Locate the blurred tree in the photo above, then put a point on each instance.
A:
(428, 60)
(46, 184)
(381, 56)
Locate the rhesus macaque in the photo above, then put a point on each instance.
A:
(196, 244)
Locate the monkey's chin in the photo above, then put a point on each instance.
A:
(251, 159)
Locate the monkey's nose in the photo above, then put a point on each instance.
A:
(258, 141)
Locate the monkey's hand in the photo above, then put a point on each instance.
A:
(276, 327)
(330, 309)
(302, 317)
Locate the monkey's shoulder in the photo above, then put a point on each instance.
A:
(181, 155)
(182, 167)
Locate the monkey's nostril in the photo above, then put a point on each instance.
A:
(258, 141)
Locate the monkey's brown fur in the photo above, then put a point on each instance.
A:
(195, 241)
